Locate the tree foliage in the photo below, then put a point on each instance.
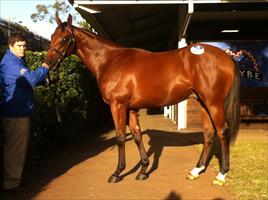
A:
(75, 94)
(47, 12)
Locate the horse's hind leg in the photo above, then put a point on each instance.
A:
(218, 117)
(135, 130)
(119, 112)
(208, 141)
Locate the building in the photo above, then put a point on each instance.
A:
(165, 25)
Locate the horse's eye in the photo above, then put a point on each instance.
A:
(64, 40)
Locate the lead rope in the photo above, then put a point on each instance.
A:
(50, 83)
(71, 40)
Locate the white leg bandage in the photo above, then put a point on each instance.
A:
(195, 172)
(221, 177)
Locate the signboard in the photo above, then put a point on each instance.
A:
(247, 63)
(250, 74)
(252, 59)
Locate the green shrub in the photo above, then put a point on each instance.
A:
(76, 95)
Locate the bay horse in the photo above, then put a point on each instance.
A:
(130, 79)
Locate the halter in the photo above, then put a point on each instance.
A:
(62, 55)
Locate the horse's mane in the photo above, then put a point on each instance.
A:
(89, 33)
(96, 36)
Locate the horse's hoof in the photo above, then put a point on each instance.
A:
(114, 179)
(218, 182)
(141, 176)
(192, 177)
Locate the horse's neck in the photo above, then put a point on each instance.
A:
(91, 51)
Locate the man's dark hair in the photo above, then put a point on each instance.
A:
(16, 37)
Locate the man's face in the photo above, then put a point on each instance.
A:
(19, 48)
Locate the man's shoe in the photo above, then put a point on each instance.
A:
(16, 189)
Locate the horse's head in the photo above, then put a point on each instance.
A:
(62, 42)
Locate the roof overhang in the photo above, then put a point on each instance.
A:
(158, 25)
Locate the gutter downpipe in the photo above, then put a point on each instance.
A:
(182, 106)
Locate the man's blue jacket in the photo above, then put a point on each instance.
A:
(16, 86)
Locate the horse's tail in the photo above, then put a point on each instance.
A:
(232, 106)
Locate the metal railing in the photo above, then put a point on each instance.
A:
(35, 42)
(254, 103)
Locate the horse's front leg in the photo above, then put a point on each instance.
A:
(119, 116)
(136, 131)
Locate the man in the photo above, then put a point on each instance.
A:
(16, 105)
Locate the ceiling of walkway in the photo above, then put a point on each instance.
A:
(158, 27)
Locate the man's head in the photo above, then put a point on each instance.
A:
(17, 44)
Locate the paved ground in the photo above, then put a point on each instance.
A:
(81, 169)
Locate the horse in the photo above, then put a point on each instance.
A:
(130, 79)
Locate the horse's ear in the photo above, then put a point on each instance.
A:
(58, 19)
(70, 20)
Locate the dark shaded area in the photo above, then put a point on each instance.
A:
(150, 27)
(173, 196)
(48, 162)
(59, 159)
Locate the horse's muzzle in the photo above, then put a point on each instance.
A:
(53, 63)
(48, 61)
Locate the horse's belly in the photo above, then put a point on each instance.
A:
(161, 96)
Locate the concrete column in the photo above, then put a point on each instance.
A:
(172, 113)
(167, 111)
(182, 115)
(182, 106)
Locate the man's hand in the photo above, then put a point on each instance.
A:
(45, 65)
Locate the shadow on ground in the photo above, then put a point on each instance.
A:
(58, 161)
(39, 176)
(160, 139)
